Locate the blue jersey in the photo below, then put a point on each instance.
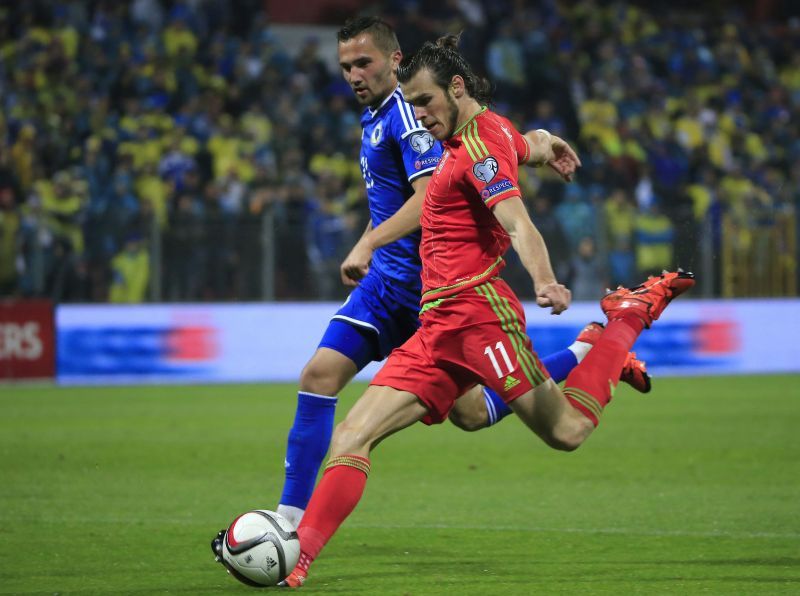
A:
(395, 150)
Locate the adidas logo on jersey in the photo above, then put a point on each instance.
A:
(510, 383)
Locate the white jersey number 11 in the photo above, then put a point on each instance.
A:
(502, 349)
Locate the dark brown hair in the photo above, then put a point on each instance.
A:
(443, 60)
(381, 32)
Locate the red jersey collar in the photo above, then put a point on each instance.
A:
(455, 140)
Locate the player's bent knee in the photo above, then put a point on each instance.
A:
(469, 421)
(563, 444)
(322, 379)
(567, 437)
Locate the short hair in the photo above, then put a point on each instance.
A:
(443, 60)
(381, 32)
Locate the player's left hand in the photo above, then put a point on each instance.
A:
(564, 161)
(356, 265)
(554, 295)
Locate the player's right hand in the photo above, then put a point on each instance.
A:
(555, 296)
(356, 265)
(564, 160)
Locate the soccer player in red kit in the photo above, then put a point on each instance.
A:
(472, 325)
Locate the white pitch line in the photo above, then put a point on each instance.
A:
(621, 531)
(4, 519)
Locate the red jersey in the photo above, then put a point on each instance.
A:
(462, 242)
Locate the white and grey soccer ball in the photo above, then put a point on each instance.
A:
(260, 548)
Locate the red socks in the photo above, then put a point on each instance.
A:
(590, 385)
(335, 497)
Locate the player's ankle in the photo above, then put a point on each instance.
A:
(303, 563)
(632, 319)
(291, 513)
(580, 349)
(295, 579)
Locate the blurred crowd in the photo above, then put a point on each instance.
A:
(171, 150)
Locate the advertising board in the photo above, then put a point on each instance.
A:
(271, 342)
(27, 349)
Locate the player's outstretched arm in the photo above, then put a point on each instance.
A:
(402, 223)
(555, 152)
(532, 251)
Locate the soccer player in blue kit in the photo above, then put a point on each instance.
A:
(398, 156)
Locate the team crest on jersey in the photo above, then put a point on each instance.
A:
(377, 134)
(485, 170)
(421, 142)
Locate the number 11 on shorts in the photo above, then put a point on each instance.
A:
(502, 350)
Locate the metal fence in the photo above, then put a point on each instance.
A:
(261, 257)
(759, 258)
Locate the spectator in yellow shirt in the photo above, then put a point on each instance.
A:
(178, 38)
(131, 272)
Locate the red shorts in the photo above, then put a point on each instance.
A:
(475, 337)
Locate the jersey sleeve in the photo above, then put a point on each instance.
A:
(521, 146)
(495, 153)
(419, 150)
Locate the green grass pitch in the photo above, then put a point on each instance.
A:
(692, 489)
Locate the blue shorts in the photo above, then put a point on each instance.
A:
(378, 316)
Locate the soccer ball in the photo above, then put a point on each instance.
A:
(260, 548)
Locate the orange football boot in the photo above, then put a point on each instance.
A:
(649, 299)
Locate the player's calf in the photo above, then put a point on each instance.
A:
(634, 371)
(478, 408)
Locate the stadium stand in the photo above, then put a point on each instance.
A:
(175, 151)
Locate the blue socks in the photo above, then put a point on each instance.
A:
(495, 406)
(558, 365)
(309, 439)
